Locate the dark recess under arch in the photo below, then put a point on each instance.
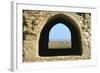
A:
(75, 37)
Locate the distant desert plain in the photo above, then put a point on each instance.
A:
(56, 44)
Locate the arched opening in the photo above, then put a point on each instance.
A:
(76, 48)
(59, 37)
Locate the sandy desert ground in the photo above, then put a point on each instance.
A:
(59, 44)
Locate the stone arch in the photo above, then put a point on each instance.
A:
(75, 35)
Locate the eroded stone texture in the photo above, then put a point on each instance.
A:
(34, 21)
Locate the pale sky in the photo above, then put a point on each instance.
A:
(59, 32)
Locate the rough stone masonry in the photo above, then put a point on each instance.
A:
(34, 21)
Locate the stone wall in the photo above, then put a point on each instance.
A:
(34, 21)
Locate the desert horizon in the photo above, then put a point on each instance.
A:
(56, 44)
